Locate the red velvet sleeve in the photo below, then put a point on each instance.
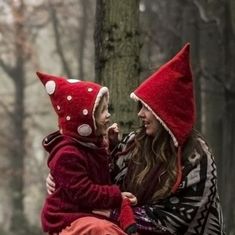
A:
(70, 171)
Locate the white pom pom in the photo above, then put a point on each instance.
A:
(84, 130)
(50, 87)
(85, 112)
(69, 97)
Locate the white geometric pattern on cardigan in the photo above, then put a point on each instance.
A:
(193, 210)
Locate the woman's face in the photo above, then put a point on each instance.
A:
(102, 116)
(151, 124)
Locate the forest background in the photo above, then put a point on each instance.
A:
(119, 44)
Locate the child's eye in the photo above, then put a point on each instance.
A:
(104, 109)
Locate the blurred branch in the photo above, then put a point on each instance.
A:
(55, 24)
(201, 11)
(35, 21)
(7, 69)
(6, 109)
(203, 15)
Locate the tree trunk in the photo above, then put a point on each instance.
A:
(117, 55)
(212, 92)
(228, 165)
(18, 152)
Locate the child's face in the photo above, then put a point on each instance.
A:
(102, 116)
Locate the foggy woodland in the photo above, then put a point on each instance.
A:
(118, 44)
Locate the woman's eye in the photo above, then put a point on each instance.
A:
(144, 108)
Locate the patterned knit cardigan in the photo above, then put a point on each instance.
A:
(193, 209)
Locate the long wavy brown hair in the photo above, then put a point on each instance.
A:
(152, 170)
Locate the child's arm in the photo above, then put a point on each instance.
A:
(70, 172)
(50, 185)
(132, 198)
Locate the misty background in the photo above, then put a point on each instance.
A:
(118, 44)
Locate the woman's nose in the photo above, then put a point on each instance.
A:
(141, 113)
(108, 115)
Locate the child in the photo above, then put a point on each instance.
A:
(78, 159)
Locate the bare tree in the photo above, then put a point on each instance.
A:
(71, 34)
(15, 53)
(16, 72)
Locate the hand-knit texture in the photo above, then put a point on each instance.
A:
(82, 182)
(74, 102)
(168, 93)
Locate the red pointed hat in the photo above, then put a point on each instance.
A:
(74, 102)
(168, 93)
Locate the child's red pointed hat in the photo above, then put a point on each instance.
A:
(74, 102)
(168, 93)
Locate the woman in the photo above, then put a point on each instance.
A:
(166, 164)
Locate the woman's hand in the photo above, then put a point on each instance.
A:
(50, 184)
(131, 197)
(105, 213)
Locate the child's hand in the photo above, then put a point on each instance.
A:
(112, 135)
(50, 184)
(113, 132)
(131, 197)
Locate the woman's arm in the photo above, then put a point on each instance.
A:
(50, 184)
